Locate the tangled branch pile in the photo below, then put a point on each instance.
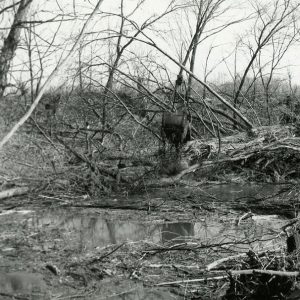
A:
(269, 153)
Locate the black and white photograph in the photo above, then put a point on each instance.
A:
(149, 149)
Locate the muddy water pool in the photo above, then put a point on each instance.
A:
(89, 231)
(32, 238)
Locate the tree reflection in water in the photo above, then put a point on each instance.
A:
(178, 232)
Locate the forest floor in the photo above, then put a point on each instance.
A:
(206, 232)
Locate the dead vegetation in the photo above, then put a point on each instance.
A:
(266, 154)
(132, 220)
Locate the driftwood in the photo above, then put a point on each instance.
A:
(13, 192)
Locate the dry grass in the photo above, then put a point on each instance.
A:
(29, 157)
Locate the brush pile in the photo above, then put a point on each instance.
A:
(268, 154)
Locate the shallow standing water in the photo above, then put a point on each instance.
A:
(82, 231)
(89, 231)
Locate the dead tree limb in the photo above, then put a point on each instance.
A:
(151, 43)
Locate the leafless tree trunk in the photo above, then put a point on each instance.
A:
(205, 11)
(30, 62)
(279, 48)
(61, 64)
(11, 42)
(80, 68)
(150, 42)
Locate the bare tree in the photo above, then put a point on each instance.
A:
(11, 42)
(121, 46)
(149, 41)
(202, 17)
(273, 19)
(279, 47)
(60, 65)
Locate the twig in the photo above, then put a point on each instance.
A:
(192, 280)
(111, 252)
(100, 258)
(177, 266)
(110, 206)
(52, 198)
(267, 272)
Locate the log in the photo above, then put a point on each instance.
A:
(13, 192)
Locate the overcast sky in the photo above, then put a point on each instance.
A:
(223, 43)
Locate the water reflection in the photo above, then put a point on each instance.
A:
(130, 290)
(178, 232)
(89, 231)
